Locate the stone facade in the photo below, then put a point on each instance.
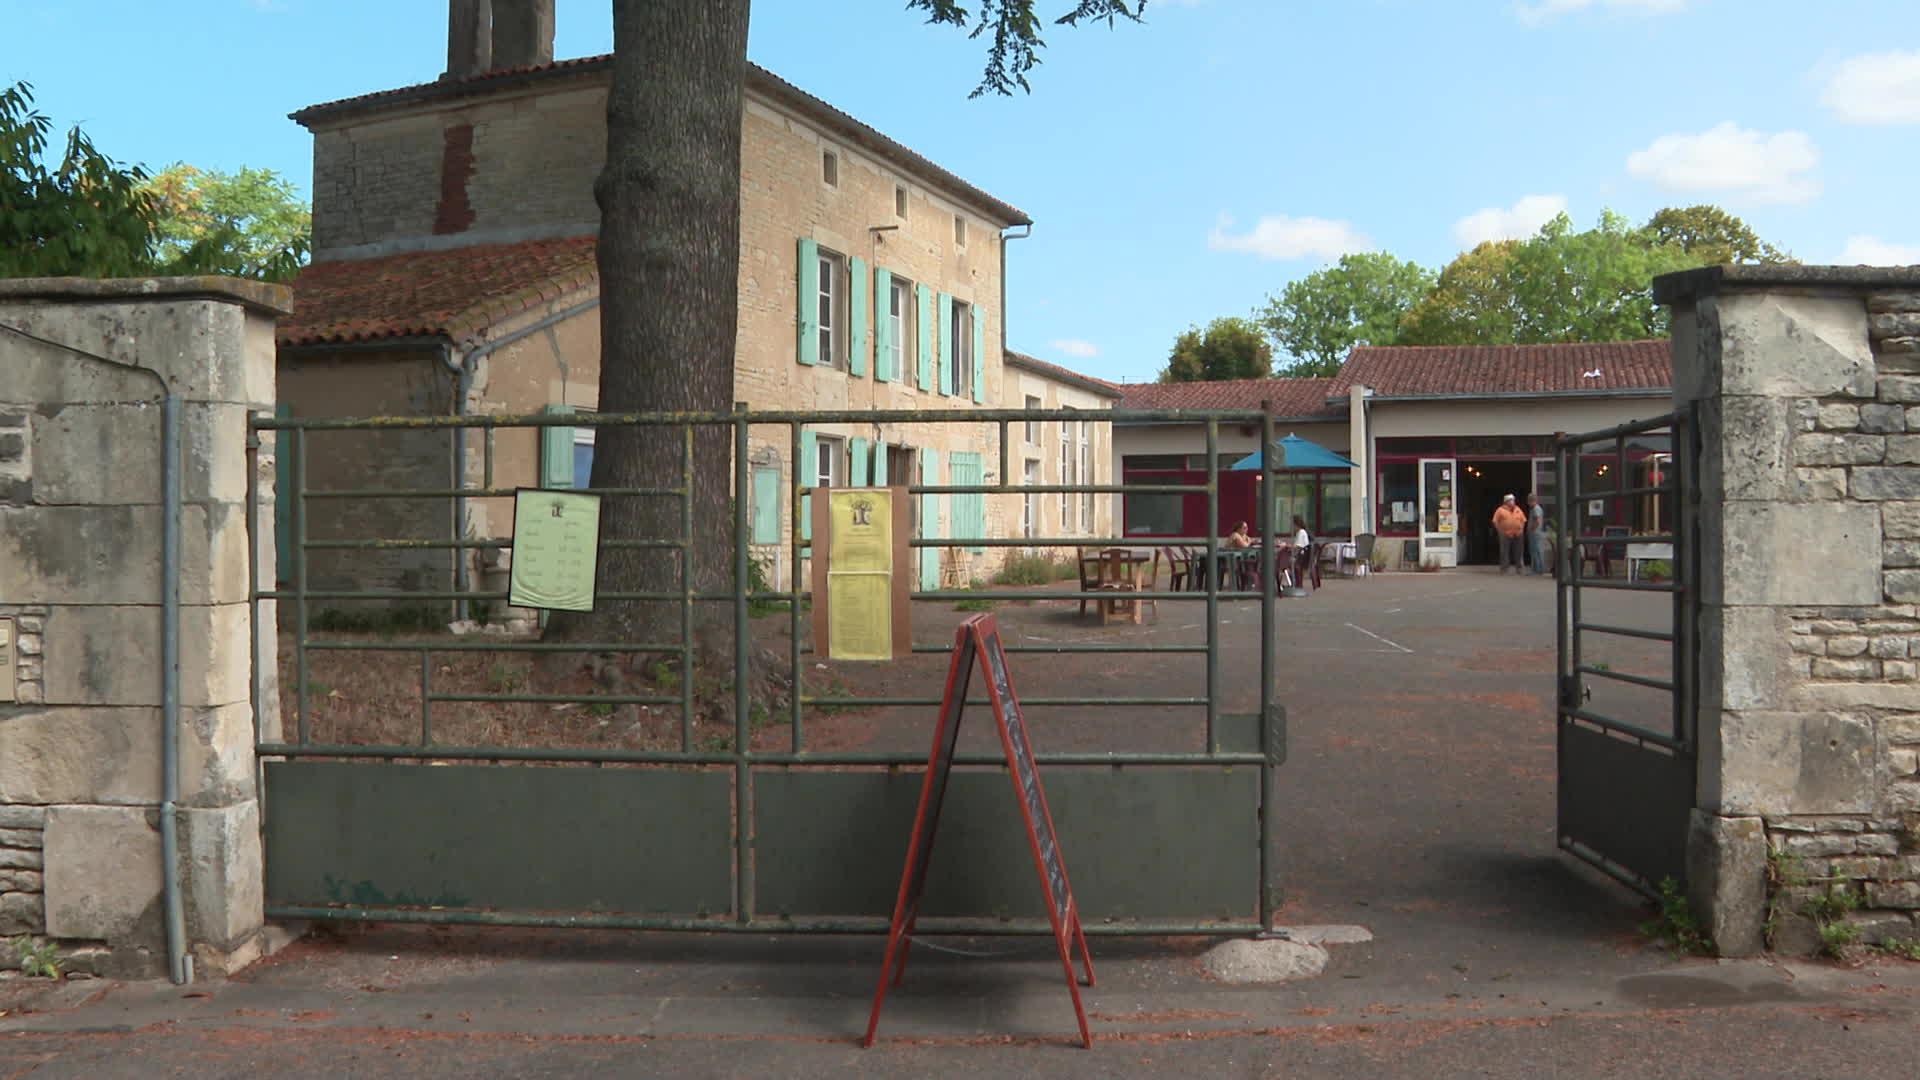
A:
(515, 156)
(1809, 796)
(81, 588)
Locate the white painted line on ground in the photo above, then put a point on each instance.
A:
(1377, 637)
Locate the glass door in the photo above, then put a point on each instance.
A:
(1439, 511)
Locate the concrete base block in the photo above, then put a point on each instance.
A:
(225, 901)
(1243, 961)
(1727, 881)
(103, 874)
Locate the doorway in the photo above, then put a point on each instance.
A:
(1483, 483)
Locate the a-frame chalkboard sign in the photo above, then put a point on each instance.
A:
(978, 641)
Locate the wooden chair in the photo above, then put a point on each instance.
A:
(1091, 579)
(1117, 577)
(1179, 567)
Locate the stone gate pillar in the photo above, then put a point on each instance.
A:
(1807, 381)
(84, 368)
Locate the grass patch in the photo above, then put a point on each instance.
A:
(974, 603)
(1674, 924)
(1905, 949)
(1035, 568)
(503, 678)
(38, 959)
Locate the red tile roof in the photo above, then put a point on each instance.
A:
(1288, 397)
(1439, 370)
(452, 293)
(1063, 374)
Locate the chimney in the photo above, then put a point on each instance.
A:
(522, 33)
(469, 38)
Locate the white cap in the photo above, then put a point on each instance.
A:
(1509, 498)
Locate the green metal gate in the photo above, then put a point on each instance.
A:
(402, 809)
(1628, 647)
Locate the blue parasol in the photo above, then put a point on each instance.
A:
(1294, 452)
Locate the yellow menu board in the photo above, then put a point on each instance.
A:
(860, 575)
(556, 550)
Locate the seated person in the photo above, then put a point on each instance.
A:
(1239, 538)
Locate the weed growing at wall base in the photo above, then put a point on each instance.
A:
(38, 959)
(1674, 925)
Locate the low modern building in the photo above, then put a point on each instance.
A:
(454, 272)
(1438, 434)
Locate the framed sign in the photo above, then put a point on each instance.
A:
(556, 550)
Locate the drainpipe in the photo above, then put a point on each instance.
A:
(179, 964)
(1027, 230)
(463, 371)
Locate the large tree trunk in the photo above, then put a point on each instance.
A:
(669, 280)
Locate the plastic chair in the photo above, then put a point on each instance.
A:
(1363, 555)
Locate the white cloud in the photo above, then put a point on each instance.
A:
(1543, 11)
(1516, 222)
(1281, 237)
(1876, 88)
(1766, 167)
(1873, 251)
(1074, 347)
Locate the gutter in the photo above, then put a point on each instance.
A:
(463, 371)
(1027, 230)
(1521, 395)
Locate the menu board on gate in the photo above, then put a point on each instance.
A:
(556, 550)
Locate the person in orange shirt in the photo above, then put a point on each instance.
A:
(1511, 523)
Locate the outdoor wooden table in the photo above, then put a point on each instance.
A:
(1120, 569)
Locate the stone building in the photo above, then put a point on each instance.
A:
(454, 226)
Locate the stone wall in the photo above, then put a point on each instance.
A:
(87, 365)
(1807, 381)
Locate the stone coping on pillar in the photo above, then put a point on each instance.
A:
(1685, 285)
(261, 296)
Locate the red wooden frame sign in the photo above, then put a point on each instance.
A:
(978, 640)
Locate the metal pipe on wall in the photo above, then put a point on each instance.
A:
(179, 965)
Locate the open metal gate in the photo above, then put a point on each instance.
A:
(1628, 647)
(409, 810)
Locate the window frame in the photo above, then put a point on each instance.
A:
(836, 465)
(905, 329)
(831, 308)
(1032, 404)
(900, 201)
(582, 436)
(1030, 504)
(830, 167)
(959, 230)
(1086, 475)
(1066, 477)
(962, 358)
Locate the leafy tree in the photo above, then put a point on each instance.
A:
(86, 216)
(668, 255)
(1713, 235)
(1360, 301)
(1229, 348)
(1558, 285)
(249, 223)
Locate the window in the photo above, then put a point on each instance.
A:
(583, 457)
(1397, 498)
(961, 328)
(959, 230)
(1033, 426)
(1066, 475)
(832, 301)
(900, 316)
(1086, 475)
(900, 201)
(830, 168)
(829, 463)
(1336, 504)
(1293, 493)
(1030, 505)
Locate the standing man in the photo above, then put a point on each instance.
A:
(1510, 522)
(1536, 533)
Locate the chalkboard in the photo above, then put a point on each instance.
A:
(978, 641)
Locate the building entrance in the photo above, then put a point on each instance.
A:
(1483, 483)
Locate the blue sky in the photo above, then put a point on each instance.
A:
(1178, 170)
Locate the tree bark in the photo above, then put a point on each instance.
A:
(669, 282)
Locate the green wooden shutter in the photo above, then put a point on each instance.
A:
(880, 463)
(923, 318)
(283, 496)
(809, 306)
(979, 355)
(857, 472)
(857, 316)
(883, 326)
(969, 510)
(946, 344)
(803, 477)
(766, 506)
(929, 520)
(556, 451)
